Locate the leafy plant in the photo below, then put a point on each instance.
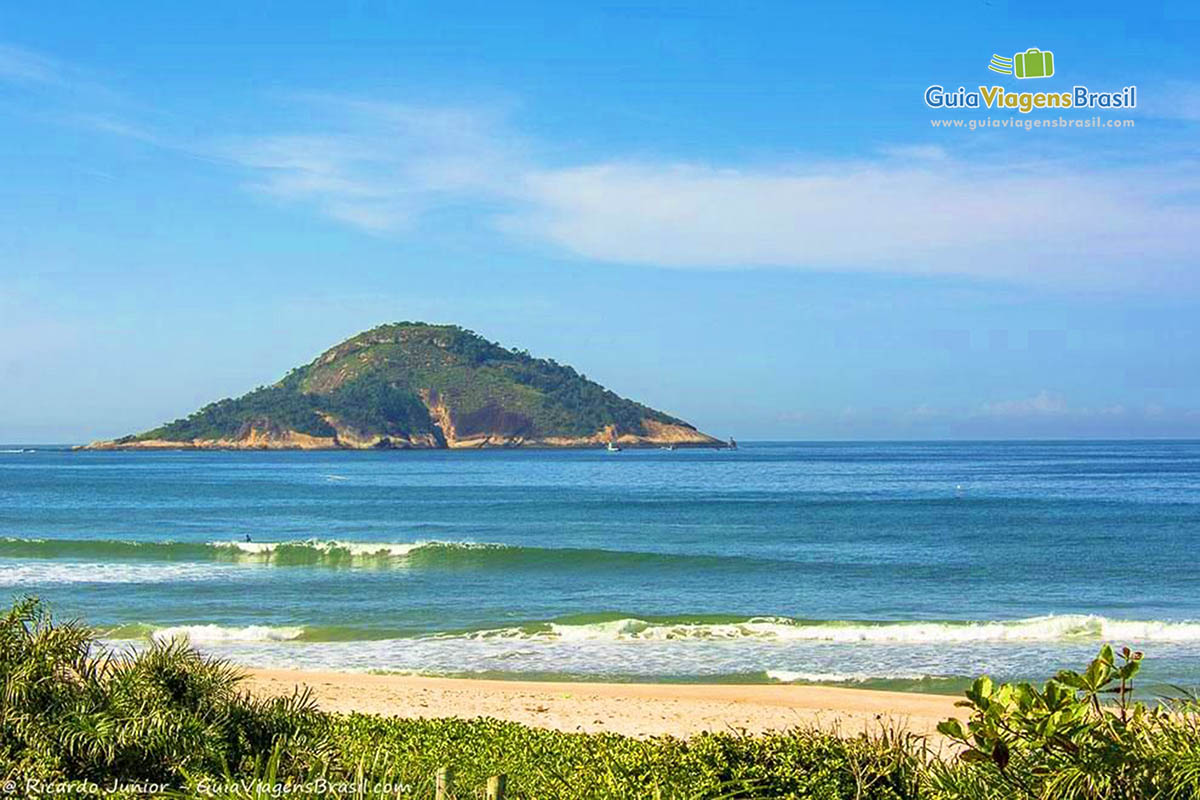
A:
(1080, 736)
(70, 710)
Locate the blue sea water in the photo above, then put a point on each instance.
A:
(906, 565)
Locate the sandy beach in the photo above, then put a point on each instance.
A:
(632, 709)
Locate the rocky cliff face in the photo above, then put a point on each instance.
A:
(412, 385)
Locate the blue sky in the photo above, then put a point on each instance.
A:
(739, 213)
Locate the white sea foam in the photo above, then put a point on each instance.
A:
(296, 551)
(797, 676)
(38, 573)
(1053, 628)
(333, 547)
(217, 634)
(510, 651)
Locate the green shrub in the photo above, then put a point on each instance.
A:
(70, 711)
(1067, 741)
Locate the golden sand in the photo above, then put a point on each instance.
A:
(633, 709)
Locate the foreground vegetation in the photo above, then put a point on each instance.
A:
(168, 719)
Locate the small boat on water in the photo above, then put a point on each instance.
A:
(732, 444)
(613, 447)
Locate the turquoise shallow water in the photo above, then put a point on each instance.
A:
(907, 565)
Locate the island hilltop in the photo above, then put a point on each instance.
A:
(410, 385)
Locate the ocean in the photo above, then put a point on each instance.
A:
(894, 565)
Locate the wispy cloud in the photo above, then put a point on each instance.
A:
(1044, 414)
(57, 90)
(912, 208)
(26, 66)
(1051, 413)
(1042, 404)
(105, 123)
(1034, 223)
(380, 166)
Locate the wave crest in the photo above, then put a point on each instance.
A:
(217, 634)
(782, 630)
(421, 554)
(1052, 628)
(316, 552)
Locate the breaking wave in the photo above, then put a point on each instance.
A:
(1057, 628)
(45, 573)
(216, 634)
(1054, 628)
(801, 676)
(338, 553)
(306, 551)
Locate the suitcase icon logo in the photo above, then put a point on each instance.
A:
(1033, 63)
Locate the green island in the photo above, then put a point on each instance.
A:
(167, 720)
(416, 385)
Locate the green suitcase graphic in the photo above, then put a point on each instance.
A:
(1034, 63)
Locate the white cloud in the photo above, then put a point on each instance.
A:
(1042, 404)
(1044, 414)
(380, 166)
(1038, 222)
(913, 209)
(1048, 410)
